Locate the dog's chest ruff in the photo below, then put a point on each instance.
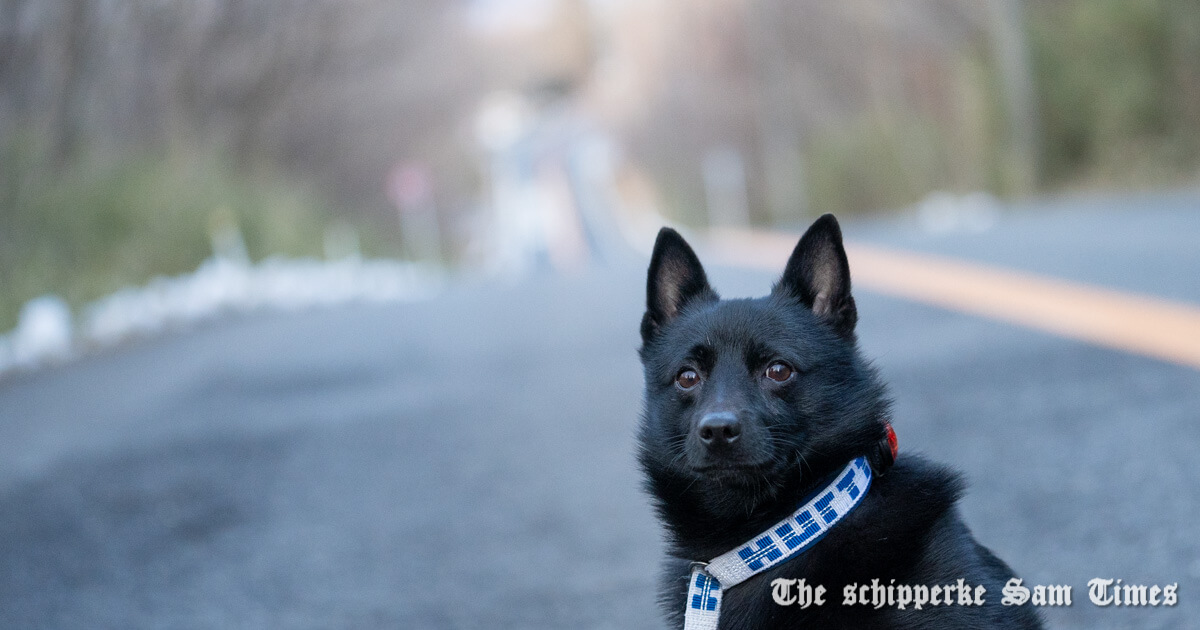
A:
(780, 543)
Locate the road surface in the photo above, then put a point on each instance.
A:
(467, 462)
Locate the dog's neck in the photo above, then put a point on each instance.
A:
(705, 524)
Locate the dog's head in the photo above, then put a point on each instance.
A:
(745, 398)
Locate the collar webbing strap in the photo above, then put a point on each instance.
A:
(777, 545)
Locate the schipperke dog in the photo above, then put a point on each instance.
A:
(768, 453)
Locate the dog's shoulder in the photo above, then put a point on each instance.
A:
(905, 511)
(912, 532)
(909, 500)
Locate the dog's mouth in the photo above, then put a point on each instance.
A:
(734, 469)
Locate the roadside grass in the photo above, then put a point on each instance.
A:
(98, 225)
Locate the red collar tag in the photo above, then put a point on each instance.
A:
(888, 450)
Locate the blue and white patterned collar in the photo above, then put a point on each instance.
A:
(777, 545)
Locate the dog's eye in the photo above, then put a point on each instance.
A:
(779, 371)
(687, 379)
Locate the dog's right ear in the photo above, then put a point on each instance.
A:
(675, 279)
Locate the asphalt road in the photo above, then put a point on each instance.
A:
(467, 462)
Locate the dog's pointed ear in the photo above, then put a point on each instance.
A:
(818, 274)
(675, 279)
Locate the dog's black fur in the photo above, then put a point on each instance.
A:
(774, 441)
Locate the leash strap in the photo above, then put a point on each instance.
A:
(777, 545)
(703, 601)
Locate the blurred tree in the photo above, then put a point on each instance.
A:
(848, 106)
(884, 102)
(1119, 89)
(115, 116)
(334, 91)
(799, 85)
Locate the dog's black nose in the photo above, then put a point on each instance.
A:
(718, 428)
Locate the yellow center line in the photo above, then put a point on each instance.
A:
(1139, 324)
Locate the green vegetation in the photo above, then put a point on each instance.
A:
(97, 226)
(1115, 103)
(876, 164)
(1117, 89)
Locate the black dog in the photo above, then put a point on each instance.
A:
(752, 406)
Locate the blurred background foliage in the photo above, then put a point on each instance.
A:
(93, 226)
(1119, 90)
(132, 132)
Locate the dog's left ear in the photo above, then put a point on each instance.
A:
(818, 275)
